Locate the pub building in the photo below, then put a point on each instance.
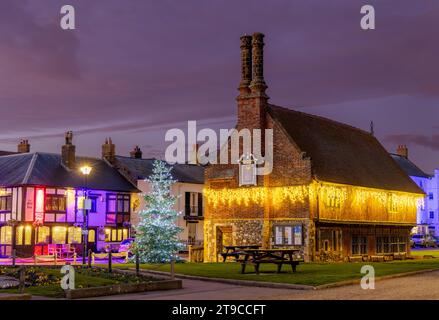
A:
(42, 202)
(334, 192)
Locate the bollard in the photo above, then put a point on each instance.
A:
(74, 258)
(89, 258)
(137, 265)
(54, 258)
(172, 268)
(13, 257)
(22, 279)
(110, 258)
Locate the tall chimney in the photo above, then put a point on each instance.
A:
(136, 153)
(257, 84)
(23, 146)
(68, 150)
(109, 150)
(246, 65)
(252, 100)
(403, 151)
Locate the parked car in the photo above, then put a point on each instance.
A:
(423, 240)
(419, 240)
(125, 245)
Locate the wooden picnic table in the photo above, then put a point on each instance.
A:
(274, 256)
(234, 251)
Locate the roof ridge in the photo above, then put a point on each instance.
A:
(324, 119)
(30, 168)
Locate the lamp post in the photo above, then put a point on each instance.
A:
(85, 170)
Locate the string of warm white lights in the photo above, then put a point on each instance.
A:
(331, 194)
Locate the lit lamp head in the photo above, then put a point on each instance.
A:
(85, 170)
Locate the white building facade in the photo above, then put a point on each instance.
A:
(428, 211)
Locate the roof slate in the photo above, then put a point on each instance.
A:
(45, 169)
(139, 169)
(341, 153)
(409, 167)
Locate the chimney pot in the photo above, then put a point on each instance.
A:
(68, 150)
(402, 151)
(136, 153)
(23, 146)
(109, 151)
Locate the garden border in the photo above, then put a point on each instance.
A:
(123, 289)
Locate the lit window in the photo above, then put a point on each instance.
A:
(75, 235)
(116, 235)
(42, 234)
(333, 201)
(6, 235)
(393, 204)
(59, 235)
(91, 236)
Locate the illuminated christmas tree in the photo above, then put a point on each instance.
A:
(157, 232)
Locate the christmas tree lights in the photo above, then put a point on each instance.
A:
(157, 233)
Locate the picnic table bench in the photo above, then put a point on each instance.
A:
(279, 257)
(234, 251)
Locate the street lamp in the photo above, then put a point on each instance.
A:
(85, 170)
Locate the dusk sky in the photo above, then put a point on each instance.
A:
(133, 69)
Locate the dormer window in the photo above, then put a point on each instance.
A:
(393, 203)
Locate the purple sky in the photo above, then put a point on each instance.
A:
(134, 68)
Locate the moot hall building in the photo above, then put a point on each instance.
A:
(334, 191)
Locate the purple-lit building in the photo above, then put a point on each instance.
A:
(428, 211)
(41, 202)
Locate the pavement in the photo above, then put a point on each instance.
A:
(420, 286)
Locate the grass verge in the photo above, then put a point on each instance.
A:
(313, 274)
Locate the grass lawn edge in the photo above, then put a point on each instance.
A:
(266, 284)
(250, 283)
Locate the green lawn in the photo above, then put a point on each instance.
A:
(434, 253)
(84, 278)
(307, 273)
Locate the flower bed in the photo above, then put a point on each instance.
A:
(46, 281)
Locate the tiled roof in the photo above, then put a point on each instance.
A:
(409, 167)
(343, 154)
(45, 169)
(139, 169)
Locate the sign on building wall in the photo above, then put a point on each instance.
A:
(288, 235)
(29, 209)
(247, 170)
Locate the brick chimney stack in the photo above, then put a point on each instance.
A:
(403, 151)
(23, 146)
(109, 150)
(252, 99)
(136, 153)
(246, 65)
(68, 150)
(257, 84)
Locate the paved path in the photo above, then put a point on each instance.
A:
(206, 290)
(422, 286)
